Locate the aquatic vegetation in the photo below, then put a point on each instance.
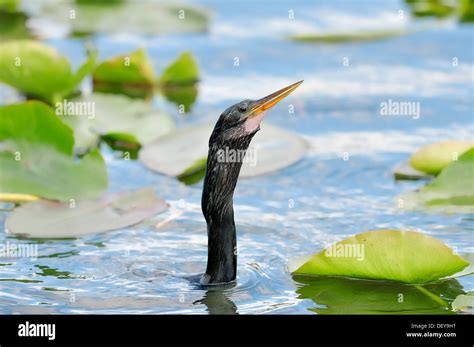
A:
(112, 17)
(462, 9)
(131, 74)
(184, 151)
(339, 295)
(178, 81)
(52, 219)
(405, 171)
(116, 117)
(451, 191)
(433, 158)
(183, 71)
(344, 37)
(393, 255)
(36, 147)
(24, 63)
(464, 302)
(60, 186)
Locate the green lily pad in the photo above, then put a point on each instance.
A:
(464, 9)
(127, 72)
(36, 156)
(349, 36)
(451, 191)
(51, 219)
(435, 157)
(179, 81)
(393, 255)
(183, 151)
(24, 63)
(338, 295)
(117, 114)
(464, 303)
(131, 17)
(182, 71)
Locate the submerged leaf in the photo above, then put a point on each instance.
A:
(39, 70)
(452, 190)
(435, 157)
(50, 219)
(271, 149)
(393, 255)
(36, 156)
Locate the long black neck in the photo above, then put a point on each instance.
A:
(223, 167)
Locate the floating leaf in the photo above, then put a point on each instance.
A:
(183, 71)
(39, 71)
(451, 191)
(435, 157)
(178, 82)
(36, 156)
(143, 17)
(174, 154)
(405, 171)
(116, 114)
(349, 36)
(464, 303)
(464, 9)
(51, 219)
(128, 73)
(338, 295)
(393, 255)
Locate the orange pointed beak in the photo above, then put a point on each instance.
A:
(272, 99)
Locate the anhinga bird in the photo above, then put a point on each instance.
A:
(232, 133)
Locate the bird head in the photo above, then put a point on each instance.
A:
(243, 119)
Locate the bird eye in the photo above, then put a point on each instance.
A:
(242, 108)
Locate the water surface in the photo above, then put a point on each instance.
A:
(296, 211)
